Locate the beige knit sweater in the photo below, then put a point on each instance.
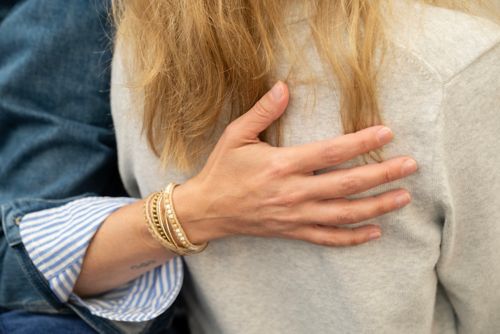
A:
(437, 267)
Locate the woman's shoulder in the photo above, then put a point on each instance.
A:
(443, 40)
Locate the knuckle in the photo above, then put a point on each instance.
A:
(327, 241)
(352, 239)
(380, 206)
(324, 238)
(346, 216)
(332, 155)
(349, 184)
(284, 222)
(357, 238)
(260, 110)
(366, 144)
(387, 175)
(386, 204)
(279, 167)
(278, 227)
(293, 218)
(288, 200)
(332, 240)
(348, 240)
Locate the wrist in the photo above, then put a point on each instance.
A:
(191, 210)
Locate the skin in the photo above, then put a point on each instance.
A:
(248, 187)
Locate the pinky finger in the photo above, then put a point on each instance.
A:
(333, 236)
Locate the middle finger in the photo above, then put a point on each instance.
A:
(345, 182)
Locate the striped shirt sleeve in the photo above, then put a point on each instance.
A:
(56, 240)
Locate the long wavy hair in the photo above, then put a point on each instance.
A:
(196, 61)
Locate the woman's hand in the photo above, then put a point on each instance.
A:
(248, 187)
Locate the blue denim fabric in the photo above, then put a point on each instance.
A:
(5, 8)
(56, 134)
(21, 322)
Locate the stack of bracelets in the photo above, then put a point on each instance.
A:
(164, 225)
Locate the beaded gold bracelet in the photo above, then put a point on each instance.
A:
(174, 222)
(164, 225)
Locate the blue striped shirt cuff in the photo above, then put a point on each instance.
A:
(56, 241)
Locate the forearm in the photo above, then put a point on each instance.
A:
(121, 250)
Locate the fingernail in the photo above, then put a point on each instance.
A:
(408, 167)
(374, 235)
(402, 200)
(277, 91)
(384, 135)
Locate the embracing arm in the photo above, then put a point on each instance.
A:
(122, 250)
(56, 137)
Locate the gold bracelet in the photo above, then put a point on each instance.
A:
(176, 225)
(164, 226)
(154, 224)
(164, 222)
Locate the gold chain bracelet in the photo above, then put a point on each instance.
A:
(154, 225)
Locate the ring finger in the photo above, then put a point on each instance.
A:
(344, 211)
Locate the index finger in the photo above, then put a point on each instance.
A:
(326, 153)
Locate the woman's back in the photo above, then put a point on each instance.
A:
(439, 92)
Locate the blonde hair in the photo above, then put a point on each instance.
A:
(199, 60)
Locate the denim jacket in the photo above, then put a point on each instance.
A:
(56, 136)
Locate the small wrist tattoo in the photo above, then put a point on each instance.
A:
(142, 265)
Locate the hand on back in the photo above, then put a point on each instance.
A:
(248, 187)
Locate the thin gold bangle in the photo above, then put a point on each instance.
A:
(179, 232)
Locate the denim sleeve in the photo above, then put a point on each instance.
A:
(57, 141)
(56, 241)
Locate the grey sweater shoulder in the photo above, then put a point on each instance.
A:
(436, 268)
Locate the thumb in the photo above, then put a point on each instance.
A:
(268, 109)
